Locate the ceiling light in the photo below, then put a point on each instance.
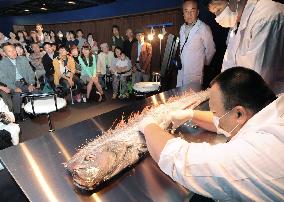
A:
(43, 8)
(71, 2)
(26, 10)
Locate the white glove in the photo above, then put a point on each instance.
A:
(145, 122)
(177, 118)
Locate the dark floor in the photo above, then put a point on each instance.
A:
(37, 126)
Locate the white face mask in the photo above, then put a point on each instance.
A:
(227, 18)
(216, 122)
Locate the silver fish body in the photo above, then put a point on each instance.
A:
(119, 148)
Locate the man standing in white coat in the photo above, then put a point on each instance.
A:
(197, 47)
(258, 42)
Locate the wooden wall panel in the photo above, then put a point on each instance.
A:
(102, 28)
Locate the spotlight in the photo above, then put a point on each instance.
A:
(43, 8)
(161, 36)
(27, 10)
(71, 2)
(150, 37)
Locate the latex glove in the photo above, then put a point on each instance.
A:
(177, 118)
(145, 122)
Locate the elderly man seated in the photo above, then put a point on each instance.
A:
(9, 131)
(249, 167)
(17, 75)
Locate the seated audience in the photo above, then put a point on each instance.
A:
(121, 71)
(21, 51)
(80, 38)
(13, 38)
(60, 39)
(89, 74)
(141, 56)
(17, 74)
(64, 70)
(9, 131)
(52, 36)
(104, 62)
(94, 45)
(75, 54)
(47, 61)
(36, 61)
(71, 41)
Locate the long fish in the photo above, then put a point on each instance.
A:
(123, 146)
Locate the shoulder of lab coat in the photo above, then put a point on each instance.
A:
(252, 160)
(4, 108)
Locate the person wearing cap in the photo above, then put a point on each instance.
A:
(197, 47)
(141, 56)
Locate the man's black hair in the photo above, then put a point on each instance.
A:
(79, 30)
(63, 47)
(46, 43)
(244, 87)
(5, 139)
(115, 26)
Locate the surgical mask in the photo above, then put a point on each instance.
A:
(227, 18)
(216, 122)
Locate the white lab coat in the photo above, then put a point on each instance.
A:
(258, 43)
(13, 128)
(198, 51)
(247, 168)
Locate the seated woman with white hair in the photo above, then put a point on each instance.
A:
(9, 131)
(104, 63)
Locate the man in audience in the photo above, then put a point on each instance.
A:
(36, 61)
(249, 166)
(47, 61)
(197, 47)
(17, 74)
(128, 43)
(257, 38)
(5, 93)
(141, 56)
(104, 63)
(80, 38)
(117, 40)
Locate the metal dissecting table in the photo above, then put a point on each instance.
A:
(37, 165)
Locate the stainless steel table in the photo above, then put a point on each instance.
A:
(37, 165)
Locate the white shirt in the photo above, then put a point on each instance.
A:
(248, 168)
(139, 49)
(258, 43)
(18, 75)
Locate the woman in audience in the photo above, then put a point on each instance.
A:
(13, 37)
(75, 54)
(60, 39)
(9, 131)
(88, 74)
(104, 63)
(21, 38)
(93, 44)
(121, 69)
(20, 50)
(71, 41)
(52, 36)
(46, 37)
(64, 71)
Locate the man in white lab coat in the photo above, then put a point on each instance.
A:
(258, 41)
(249, 167)
(197, 47)
(7, 126)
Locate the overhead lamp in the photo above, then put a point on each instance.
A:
(43, 8)
(71, 2)
(151, 35)
(27, 10)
